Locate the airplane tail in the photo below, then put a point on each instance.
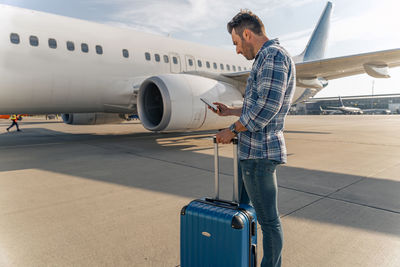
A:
(316, 46)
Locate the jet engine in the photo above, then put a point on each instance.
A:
(171, 102)
(93, 118)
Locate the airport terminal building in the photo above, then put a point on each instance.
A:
(379, 103)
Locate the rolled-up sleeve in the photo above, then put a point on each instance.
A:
(269, 93)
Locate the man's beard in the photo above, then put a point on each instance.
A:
(249, 50)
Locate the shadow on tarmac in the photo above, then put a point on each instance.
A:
(145, 160)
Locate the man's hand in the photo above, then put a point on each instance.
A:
(225, 136)
(222, 109)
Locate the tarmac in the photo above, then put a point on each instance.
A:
(111, 195)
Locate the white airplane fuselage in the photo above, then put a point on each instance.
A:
(56, 80)
(350, 110)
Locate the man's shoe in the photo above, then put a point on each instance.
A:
(19, 130)
(8, 130)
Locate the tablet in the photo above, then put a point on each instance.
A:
(209, 104)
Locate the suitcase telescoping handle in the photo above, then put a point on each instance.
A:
(235, 197)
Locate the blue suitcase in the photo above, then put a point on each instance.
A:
(218, 233)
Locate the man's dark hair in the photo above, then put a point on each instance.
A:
(246, 19)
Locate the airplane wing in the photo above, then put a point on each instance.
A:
(375, 64)
(315, 74)
(237, 79)
(238, 76)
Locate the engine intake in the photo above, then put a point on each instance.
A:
(171, 102)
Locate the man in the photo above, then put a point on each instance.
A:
(14, 118)
(269, 91)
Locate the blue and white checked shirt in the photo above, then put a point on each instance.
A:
(269, 91)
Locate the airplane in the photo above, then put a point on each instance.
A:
(342, 108)
(329, 111)
(97, 74)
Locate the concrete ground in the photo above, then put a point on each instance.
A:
(110, 195)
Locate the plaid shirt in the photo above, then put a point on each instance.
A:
(269, 91)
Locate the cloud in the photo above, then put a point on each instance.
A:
(295, 42)
(379, 23)
(191, 16)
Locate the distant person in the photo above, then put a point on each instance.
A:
(15, 118)
(267, 98)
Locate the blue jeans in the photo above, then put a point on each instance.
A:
(260, 187)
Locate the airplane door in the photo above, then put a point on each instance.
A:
(190, 63)
(175, 63)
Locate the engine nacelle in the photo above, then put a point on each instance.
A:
(92, 118)
(171, 102)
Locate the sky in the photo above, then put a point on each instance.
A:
(357, 26)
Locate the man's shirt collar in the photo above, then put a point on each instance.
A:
(265, 45)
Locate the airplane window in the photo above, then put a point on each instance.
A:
(215, 65)
(33, 40)
(239, 68)
(157, 57)
(190, 62)
(222, 66)
(228, 67)
(175, 60)
(52, 43)
(166, 59)
(208, 64)
(84, 48)
(147, 56)
(99, 49)
(199, 63)
(125, 53)
(70, 46)
(14, 38)
(234, 68)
